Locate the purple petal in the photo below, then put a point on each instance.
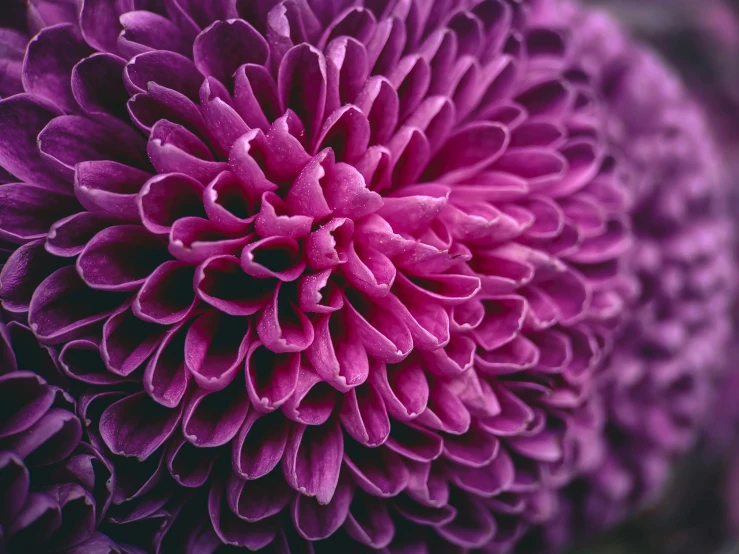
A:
(315, 521)
(270, 378)
(260, 444)
(27, 211)
(47, 68)
(137, 426)
(226, 45)
(213, 418)
(165, 377)
(23, 272)
(313, 459)
(97, 86)
(364, 416)
(164, 199)
(167, 295)
(215, 348)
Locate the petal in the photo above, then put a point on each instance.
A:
(144, 31)
(97, 86)
(274, 219)
(282, 326)
(273, 257)
(22, 118)
(222, 283)
(301, 84)
(227, 204)
(49, 440)
(255, 96)
(260, 444)
(120, 258)
(369, 521)
(404, 388)
(226, 45)
(383, 334)
(313, 400)
(315, 521)
(364, 416)
(255, 500)
(25, 399)
(415, 443)
(165, 377)
(270, 378)
(67, 237)
(137, 426)
(47, 67)
(27, 211)
(189, 466)
(215, 348)
(71, 139)
(212, 419)
(378, 471)
(23, 272)
(194, 240)
(128, 341)
(81, 360)
(166, 69)
(167, 296)
(164, 199)
(109, 188)
(313, 459)
(63, 306)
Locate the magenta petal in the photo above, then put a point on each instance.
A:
(167, 296)
(120, 258)
(318, 294)
(49, 440)
(270, 378)
(63, 306)
(81, 360)
(404, 388)
(255, 96)
(470, 150)
(255, 500)
(128, 341)
(306, 195)
(378, 471)
(71, 139)
(347, 132)
(22, 118)
(315, 521)
(260, 444)
(222, 283)
(445, 411)
(16, 478)
(339, 358)
(301, 84)
(378, 100)
(189, 465)
(274, 219)
(383, 334)
(487, 481)
(364, 416)
(282, 326)
(173, 148)
(213, 418)
(27, 211)
(415, 443)
(166, 69)
(164, 199)
(137, 426)
(242, 160)
(48, 64)
(369, 521)
(476, 448)
(327, 246)
(68, 237)
(224, 125)
(368, 270)
(194, 240)
(227, 203)
(109, 188)
(165, 377)
(23, 272)
(313, 460)
(25, 399)
(215, 348)
(235, 531)
(146, 109)
(514, 417)
(273, 257)
(144, 31)
(226, 45)
(473, 527)
(313, 400)
(97, 85)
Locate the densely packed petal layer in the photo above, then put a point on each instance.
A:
(321, 275)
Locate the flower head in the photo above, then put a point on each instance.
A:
(54, 488)
(320, 272)
(657, 382)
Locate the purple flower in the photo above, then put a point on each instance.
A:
(656, 385)
(54, 488)
(321, 276)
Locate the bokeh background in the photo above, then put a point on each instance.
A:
(699, 511)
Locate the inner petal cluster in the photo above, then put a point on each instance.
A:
(351, 267)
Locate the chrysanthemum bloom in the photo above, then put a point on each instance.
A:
(657, 382)
(324, 275)
(54, 488)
